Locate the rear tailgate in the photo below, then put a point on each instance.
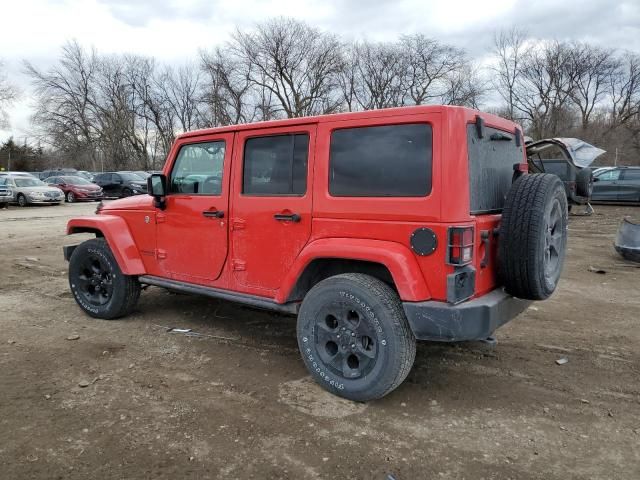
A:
(492, 155)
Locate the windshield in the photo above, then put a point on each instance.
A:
(28, 182)
(131, 177)
(76, 181)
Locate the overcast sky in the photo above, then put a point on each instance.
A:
(174, 30)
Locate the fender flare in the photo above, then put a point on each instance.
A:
(398, 259)
(116, 233)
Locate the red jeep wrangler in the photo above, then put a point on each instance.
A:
(376, 228)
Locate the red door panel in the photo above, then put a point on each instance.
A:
(269, 230)
(193, 229)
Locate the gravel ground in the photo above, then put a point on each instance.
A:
(85, 398)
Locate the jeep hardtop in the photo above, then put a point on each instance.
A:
(375, 228)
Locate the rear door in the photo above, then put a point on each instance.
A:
(271, 220)
(606, 187)
(629, 185)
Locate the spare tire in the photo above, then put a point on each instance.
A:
(533, 236)
(584, 182)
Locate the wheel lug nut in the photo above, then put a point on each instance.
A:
(353, 334)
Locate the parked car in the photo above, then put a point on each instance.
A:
(121, 184)
(142, 174)
(6, 195)
(56, 172)
(617, 184)
(84, 174)
(27, 190)
(76, 188)
(376, 228)
(569, 159)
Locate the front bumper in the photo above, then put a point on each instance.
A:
(473, 320)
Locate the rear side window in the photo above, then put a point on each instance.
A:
(381, 161)
(276, 165)
(631, 175)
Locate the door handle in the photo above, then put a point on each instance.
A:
(213, 213)
(284, 217)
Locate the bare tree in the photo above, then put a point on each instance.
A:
(227, 89)
(372, 76)
(431, 69)
(509, 48)
(8, 94)
(543, 89)
(295, 62)
(592, 69)
(66, 100)
(625, 89)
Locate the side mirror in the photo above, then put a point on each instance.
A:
(157, 188)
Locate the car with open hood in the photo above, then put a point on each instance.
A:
(569, 159)
(29, 190)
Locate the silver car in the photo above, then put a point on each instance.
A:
(28, 189)
(6, 196)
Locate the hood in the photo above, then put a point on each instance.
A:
(579, 153)
(92, 188)
(39, 188)
(137, 202)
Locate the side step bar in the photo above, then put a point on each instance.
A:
(251, 300)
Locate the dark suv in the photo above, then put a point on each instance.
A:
(619, 184)
(121, 184)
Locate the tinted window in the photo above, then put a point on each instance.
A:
(276, 165)
(198, 169)
(632, 174)
(393, 160)
(609, 175)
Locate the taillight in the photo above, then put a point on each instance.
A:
(460, 246)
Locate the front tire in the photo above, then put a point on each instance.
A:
(126, 192)
(97, 283)
(354, 337)
(70, 197)
(22, 200)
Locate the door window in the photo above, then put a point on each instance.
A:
(276, 165)
(609, 175)
(198, 169)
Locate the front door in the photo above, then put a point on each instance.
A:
(271, 211)
(192, 230)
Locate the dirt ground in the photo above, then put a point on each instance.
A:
(128, 400)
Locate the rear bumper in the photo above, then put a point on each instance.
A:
(473, 320)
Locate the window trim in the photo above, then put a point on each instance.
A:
(392, 124)
(175, 160)
(278, 134)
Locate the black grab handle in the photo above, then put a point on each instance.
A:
(292, 217)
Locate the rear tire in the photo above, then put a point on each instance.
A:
(354, 337)
(97, 283)
(533, 236)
